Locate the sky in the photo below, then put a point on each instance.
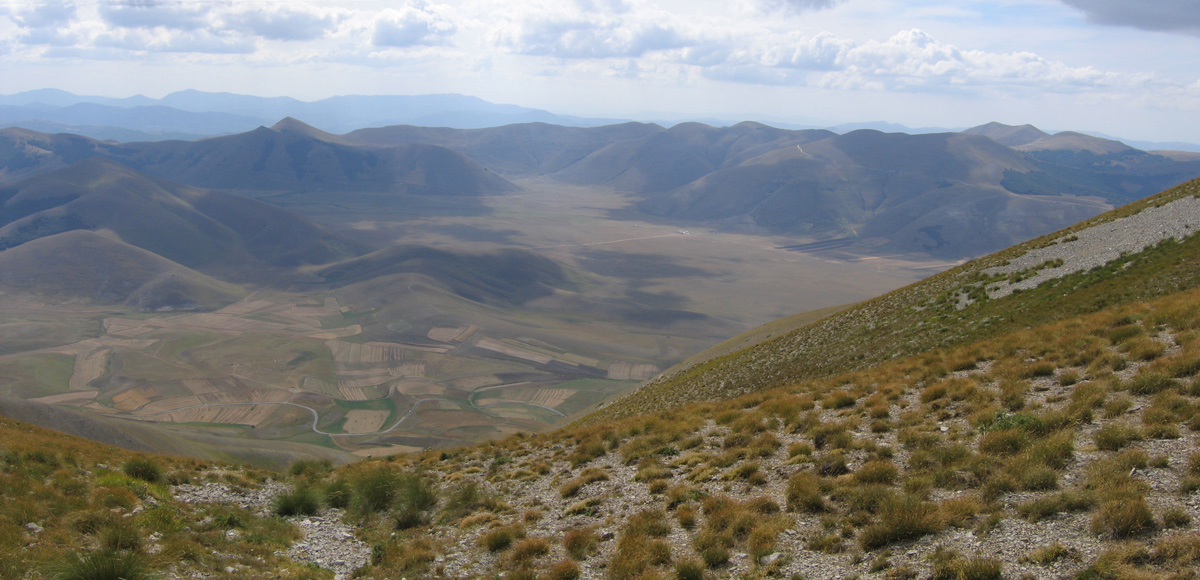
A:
(1128, 68)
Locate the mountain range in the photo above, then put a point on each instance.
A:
(931, 193)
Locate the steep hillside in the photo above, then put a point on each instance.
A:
(212, 231)
(1094, 265)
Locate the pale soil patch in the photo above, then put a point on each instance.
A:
(200, 386)
(72, 398)
(163, 405)
(627, 371)
(387, 451)
(364, 421)
(364, 382)
(126, 328)
(408, 370)
(89, 369)
(472, 383)
(513, 351)
(420, 388)
(444, 334)
(544, 397)
(240, 415)
(355, 393)
(351, 330)
(247, 396)
(371, 352)
(134, 398)
(246, 307)
(315, 385)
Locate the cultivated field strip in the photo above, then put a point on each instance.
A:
(627, 371)
(89, 368)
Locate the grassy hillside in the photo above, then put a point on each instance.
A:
(82, 265)
(925, 316)
(1066, 450)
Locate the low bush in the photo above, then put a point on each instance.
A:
(143, 469)
(299, 501)
(104, 565)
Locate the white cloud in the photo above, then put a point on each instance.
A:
(797, 6)
(585, 30)
(283, 22)
(47, 15)
(415, 24)
(155, 14)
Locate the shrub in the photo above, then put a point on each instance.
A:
(689, 569)
(375, 489)
(901, 518)
(122, 536)
(876, 472)
(1113, 436)
(1123, 518)
(143, 469)
(310, 467)
(1003, 442)
(967, 569)
(1049, 554)
(105, 565)
(804, 493)
(338, 493)
(580, 543)
(529, 549)
(1150, 383)
(300, 501)
(500, 538)
(563, 570)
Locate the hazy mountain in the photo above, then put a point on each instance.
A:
(145, 119)
(207, 230)
(1008, 134)
(337, 114)
(289, 156)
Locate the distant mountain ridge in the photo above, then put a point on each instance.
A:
(949, 195)
(205, 114)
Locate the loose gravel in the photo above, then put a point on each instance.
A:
(1101, 244)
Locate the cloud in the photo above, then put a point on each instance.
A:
(588, 30)
(796, 6)
(283, 22)
(415, 24)
(1160, 15)
(47, 15)
(914, 60)
(154, 14)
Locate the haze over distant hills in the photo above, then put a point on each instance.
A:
(949, 195)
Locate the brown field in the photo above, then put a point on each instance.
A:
(89, 368)
(202, 386)
(239, 415)
(74, 398)
(514, 351)
(627, 371)
(164, 405)
(371, 352)
(408, 370)
(472, 383)
(420, 388)
(134, 398)
(351, 330)
(245, 307)
(363, 421)
(247, 396)
(445, 334)
(356, 393)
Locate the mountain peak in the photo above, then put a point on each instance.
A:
(296, 126)
(1009, 135)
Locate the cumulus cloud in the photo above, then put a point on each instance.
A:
(797, 6)
(154, 14)
(914, 60)
(47, 15)
(284, 22)
(1162, 15)
(587, 30)
(415, 24)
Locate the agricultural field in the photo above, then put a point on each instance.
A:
(294, 367)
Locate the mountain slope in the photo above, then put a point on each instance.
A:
(82, 265)
(203, 229)
(967, 303)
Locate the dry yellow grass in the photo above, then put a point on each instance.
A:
(89, 368)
